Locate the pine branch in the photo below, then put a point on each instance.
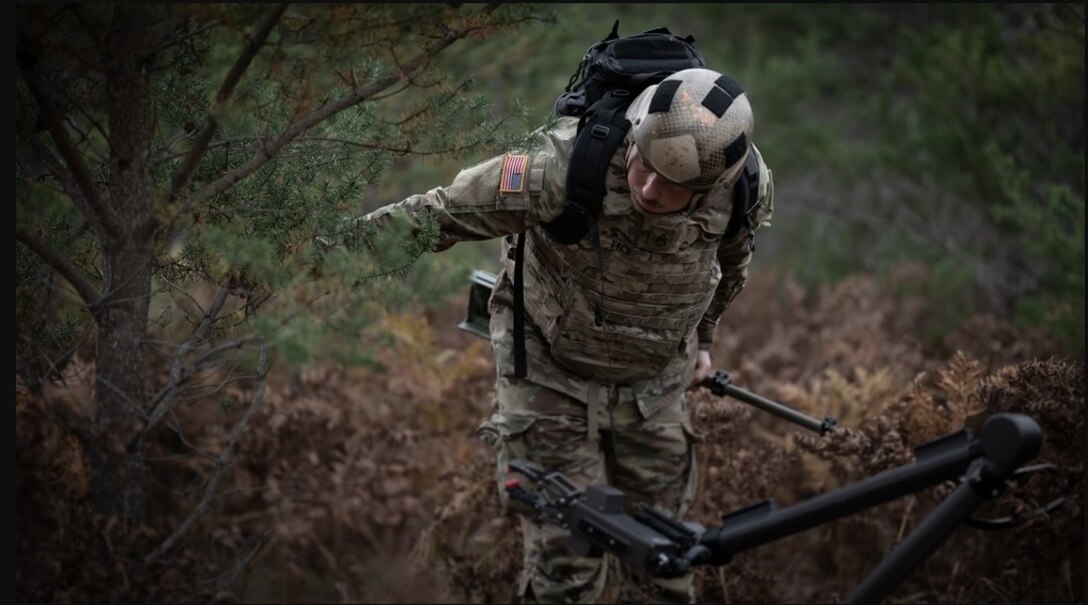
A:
(220, 348)
(163, 400)
(253, 45)
(222, 462)
(373, 146)
(90, 295)
(48, 163)
(269, 150)
(163, 35)
(102, 214)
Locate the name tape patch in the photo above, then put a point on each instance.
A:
(513, 174)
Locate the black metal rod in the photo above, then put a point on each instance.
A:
(891, 484)
(919, 545)
(775, 408)
(1008, 440)
(721, 385)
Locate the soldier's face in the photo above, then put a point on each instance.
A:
(651, 192)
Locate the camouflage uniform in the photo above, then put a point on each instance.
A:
(600, 404)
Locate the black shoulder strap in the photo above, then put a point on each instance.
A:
(600, 132)
(745, 199)
(520, 369)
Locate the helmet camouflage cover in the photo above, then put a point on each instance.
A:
(693, 128)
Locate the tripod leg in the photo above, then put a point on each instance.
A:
(920, 544)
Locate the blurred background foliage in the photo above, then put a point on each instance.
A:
(951, 135)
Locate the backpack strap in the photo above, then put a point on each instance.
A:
(520, 366)
(745, 201)
(600, 132)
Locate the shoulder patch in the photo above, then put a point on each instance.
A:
(513, 173)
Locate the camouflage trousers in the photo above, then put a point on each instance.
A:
(650, 459)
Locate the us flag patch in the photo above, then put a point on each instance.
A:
(513, 174)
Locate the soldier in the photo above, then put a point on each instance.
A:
(617, 329)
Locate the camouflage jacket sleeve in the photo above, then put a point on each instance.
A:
(503, 195)
(734, 256)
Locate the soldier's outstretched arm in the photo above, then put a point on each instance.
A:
(499, 196)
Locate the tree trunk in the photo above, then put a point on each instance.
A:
(120, 381)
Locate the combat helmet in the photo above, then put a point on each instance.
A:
(693, 128)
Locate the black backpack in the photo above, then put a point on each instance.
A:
(611, 74)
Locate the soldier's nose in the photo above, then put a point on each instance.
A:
(650, 189)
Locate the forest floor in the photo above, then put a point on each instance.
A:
(368, 485)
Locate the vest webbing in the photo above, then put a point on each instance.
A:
(590, 158)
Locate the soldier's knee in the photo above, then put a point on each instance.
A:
(568, 580)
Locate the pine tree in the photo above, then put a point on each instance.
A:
(175, 165)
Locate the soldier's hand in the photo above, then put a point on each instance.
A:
(702, 369)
